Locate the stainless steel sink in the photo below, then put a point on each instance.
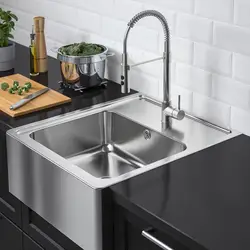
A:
(58, 167)
(106, 144)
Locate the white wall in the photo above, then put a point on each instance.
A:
(210, 47)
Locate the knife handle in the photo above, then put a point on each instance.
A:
(19, 104)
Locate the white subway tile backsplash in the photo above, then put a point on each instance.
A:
(25, 19)
(126, 9)
(144, 38)
(240, 120)
(63, 34)
(207, 108)
(241, 68)
(59, 13)
(232, 38)
(210, 47)
(113, 29)
(178, 5)
(194, 28)
(221, 10)
(23, 36)
(144, 83)
(181, 50)
(29, 6)
(212, 59)
(9, 3)
(84, 23)
(194, 79)
(230, 91)
(140, 37)
(242, 10)
(101, 7)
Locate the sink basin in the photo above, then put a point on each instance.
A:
(106, 144)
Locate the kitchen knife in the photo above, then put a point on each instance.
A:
(28, 98)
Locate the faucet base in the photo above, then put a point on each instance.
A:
(173, 112)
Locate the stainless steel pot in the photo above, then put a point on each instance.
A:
(81, 72)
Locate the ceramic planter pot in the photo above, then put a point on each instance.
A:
(7, 57)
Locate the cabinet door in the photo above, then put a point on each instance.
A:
(10, 235)
(29, 244)
(128, 234)
(10, 206)
(44, 233)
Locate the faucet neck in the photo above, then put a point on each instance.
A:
(166, 74)
(166, 59)
(125, 40)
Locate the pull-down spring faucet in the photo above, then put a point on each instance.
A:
(167, 109)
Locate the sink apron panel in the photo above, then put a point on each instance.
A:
(60, 198)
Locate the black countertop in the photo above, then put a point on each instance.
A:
(203, 198)
(51, 79)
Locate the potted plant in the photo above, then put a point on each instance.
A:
(7, 48)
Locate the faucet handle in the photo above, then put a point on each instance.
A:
(179, 102)
(175, 113)
(180, 113)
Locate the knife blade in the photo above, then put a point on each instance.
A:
(28, 98)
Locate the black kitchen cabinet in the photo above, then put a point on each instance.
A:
(128, 233)
(29, 244)
(10, 235)
(10, 206)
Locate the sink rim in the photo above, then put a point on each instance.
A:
(22, 134)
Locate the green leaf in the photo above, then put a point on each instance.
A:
(14, 16)
(7, 25)
(12, 24)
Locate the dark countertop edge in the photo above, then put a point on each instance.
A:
(156, 222)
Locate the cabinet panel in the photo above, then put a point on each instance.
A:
(44, 233)
(29, 244)
(10, 206)
(10, 235)
(128, 233)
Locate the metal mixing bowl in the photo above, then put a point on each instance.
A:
(82, 72)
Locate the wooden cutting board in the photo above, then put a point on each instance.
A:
(47, 100)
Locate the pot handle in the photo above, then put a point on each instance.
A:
(110, 54)
(54, 49)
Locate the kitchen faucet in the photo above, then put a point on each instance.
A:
(167, 109)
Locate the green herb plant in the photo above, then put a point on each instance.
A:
(7, 25)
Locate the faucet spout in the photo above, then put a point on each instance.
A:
(166, 61)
